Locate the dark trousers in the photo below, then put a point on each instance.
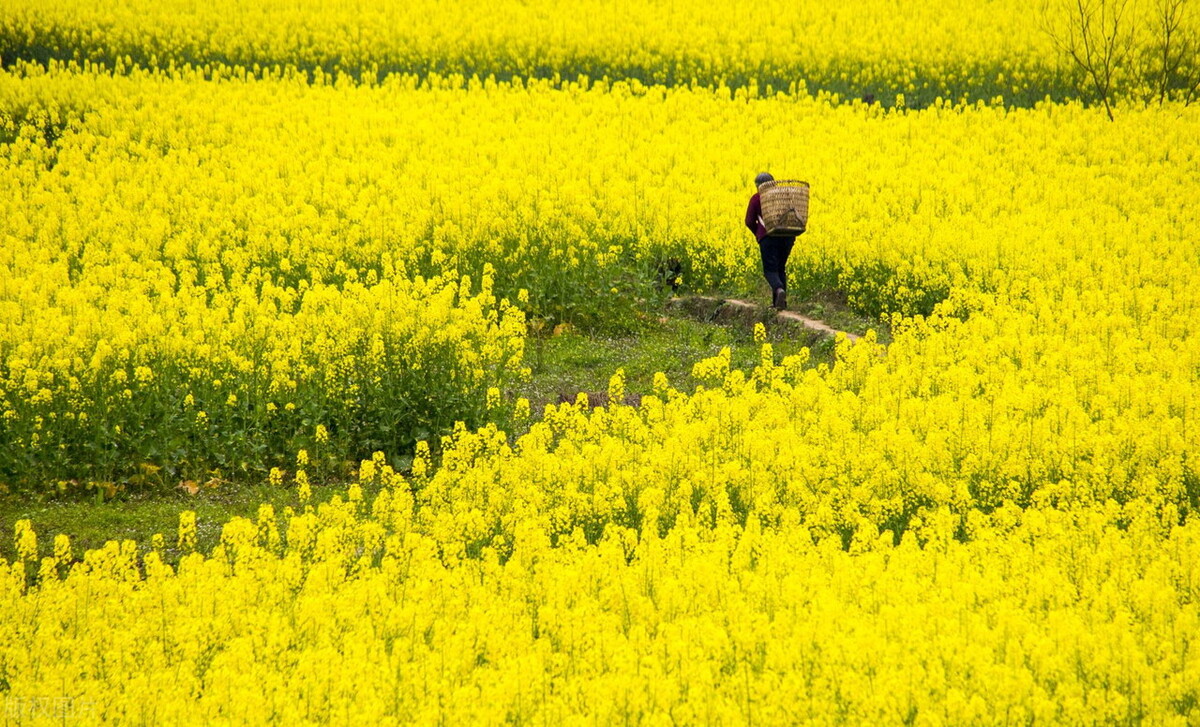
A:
(775, 251)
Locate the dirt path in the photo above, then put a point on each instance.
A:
(793, 317)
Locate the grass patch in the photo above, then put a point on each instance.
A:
(571, 361)
(138, 516)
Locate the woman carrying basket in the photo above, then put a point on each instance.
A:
(774, 248)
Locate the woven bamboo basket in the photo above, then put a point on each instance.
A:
(784, 206)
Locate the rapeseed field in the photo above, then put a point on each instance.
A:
(951, 48)
(307, 244)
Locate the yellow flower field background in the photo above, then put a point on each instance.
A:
(951, 48)
(303, 273)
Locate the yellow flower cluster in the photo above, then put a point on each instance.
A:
(146, 318)
(353, 613)
(220, 376)
(944, 47)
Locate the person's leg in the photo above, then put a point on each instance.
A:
(785, 250)
(764, 251)
(769, 247)
(779, 299)
(773, 255)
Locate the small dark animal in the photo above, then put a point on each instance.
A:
(669, 272)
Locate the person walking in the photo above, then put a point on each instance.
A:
(774, 249)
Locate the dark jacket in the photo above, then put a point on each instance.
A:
(754, 220)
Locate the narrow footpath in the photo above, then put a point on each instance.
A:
(749, 308)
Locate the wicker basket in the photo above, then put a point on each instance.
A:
(784, 206)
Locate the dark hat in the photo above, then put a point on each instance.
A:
(762, 178)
